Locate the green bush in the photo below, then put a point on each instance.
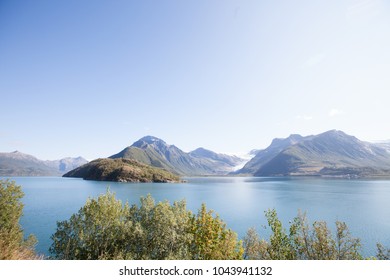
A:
(302, 242)
(105, 229)
(382, 252)
(13, 246)
(211, 240)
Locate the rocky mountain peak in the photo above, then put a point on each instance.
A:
(149, 140)
(291, 140)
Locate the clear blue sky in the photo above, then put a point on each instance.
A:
(91, 77)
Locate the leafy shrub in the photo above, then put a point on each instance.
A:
(104, 229)
(212, 240)
(303, 242)
(13, 246)
(382, 252)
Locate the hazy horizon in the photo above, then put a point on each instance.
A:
(90, 78)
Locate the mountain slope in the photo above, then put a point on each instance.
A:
(220, 164)
(20, 164)
(331, 153)
(121, 170)
(155, 152)
(262, 157)
(66, 164)
(203, 153)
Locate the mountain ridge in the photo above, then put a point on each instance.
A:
(20, 164)
(331, 153)
(263, 156)
(156, 152)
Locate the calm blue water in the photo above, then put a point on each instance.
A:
(363, 204)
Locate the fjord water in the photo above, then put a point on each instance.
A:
(240, 201)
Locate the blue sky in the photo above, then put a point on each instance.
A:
(91, 77)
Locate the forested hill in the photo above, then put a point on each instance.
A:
(121, 170)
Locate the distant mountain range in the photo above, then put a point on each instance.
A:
(332, 153)
(20, 164)
(155, 152)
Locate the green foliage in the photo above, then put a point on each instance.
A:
(95, 232)
(382, 252)
(211, 239)
(122, 170)
(253, 245)
(12, 243)
(318, 243)
(159, 231)
(303, 242)
(104, 229)
(279, 240)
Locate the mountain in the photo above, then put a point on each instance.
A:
(332, 153)
(203, 153)
(253, 152)
(155, 152)
(220, 163)
(121, 170)
(385, 145)
(264, 156)
(20, 164)
(66, 164)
